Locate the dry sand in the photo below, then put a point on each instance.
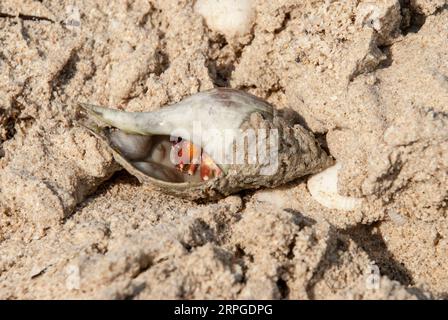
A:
(369, 78)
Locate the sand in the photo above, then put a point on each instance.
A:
(368, 78)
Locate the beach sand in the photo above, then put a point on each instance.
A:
(368, 78)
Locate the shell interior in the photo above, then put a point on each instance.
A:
(163, 157)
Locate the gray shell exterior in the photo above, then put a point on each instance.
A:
(298, 152)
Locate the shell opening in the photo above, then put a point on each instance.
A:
(163, 157)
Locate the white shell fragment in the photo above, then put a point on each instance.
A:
(324, 189)
(229, 17)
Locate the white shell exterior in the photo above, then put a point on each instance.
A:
(212, 112)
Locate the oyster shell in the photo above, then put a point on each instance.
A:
(210, 145)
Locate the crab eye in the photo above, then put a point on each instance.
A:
(160, 158)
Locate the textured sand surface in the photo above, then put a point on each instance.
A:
(368, 78)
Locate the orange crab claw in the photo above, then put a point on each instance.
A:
(209, 169)
(192, 157)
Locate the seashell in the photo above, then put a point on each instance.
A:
(210, 145)
(323, 187)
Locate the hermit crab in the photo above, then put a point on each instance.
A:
(209, 145)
